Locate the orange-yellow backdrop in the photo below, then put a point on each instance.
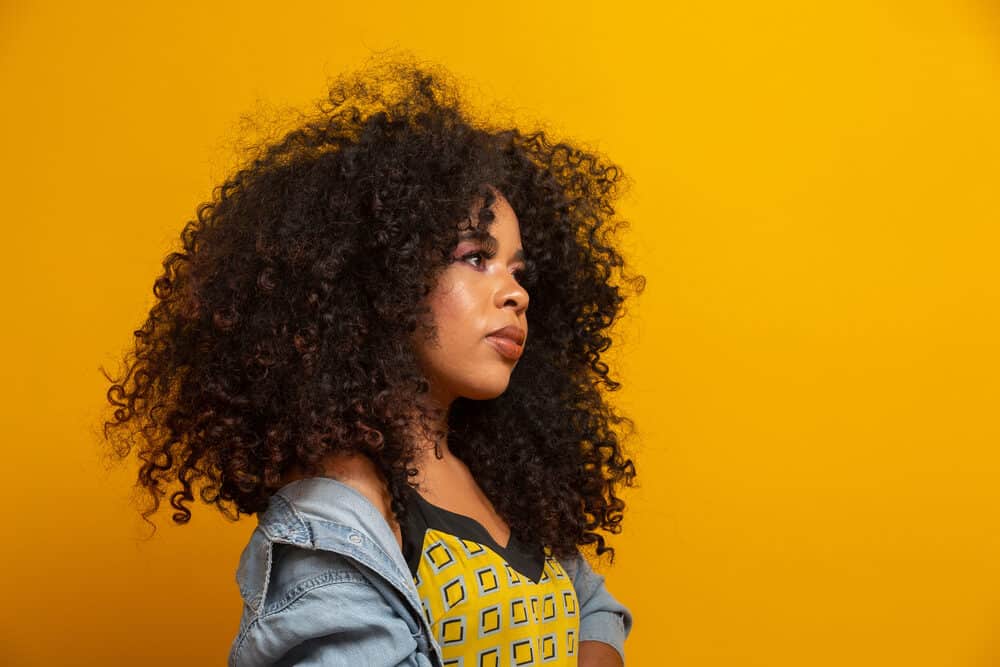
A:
(813, 367)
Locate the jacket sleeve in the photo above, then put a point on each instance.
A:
(335, 619)
(602, 617)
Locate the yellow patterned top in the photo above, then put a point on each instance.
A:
(489, 605)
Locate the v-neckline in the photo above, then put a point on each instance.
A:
(480, 526)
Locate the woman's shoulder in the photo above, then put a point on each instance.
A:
(312, 555)
(359, 472)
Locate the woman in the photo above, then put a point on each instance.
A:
(342, 348)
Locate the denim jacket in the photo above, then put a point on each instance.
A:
(324, 582)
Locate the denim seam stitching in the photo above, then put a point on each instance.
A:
(259, 617)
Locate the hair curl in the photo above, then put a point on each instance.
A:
(276, 336)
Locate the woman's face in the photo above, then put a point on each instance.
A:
(477, 294)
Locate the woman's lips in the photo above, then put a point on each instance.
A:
(506, 346)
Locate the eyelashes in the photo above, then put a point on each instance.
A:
(524, 276)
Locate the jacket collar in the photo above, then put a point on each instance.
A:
(326, 514)
(321, 512)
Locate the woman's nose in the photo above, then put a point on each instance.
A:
(514, 294)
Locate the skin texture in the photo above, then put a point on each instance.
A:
(473, 297)
(477, 294)
(598, 654)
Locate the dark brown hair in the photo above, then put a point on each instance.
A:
(276, 337)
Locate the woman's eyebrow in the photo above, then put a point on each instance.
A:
(490, 242)
(474, 234)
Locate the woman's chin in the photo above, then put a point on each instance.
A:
(486, 392)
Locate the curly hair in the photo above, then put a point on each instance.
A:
(277, 334)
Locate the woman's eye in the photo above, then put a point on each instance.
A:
(520, 275)
(479, 253)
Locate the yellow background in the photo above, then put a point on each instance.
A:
(813, 367)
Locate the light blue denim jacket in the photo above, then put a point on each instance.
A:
(324, 582)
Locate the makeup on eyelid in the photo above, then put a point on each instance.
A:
(464, 252)
(471, 305)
